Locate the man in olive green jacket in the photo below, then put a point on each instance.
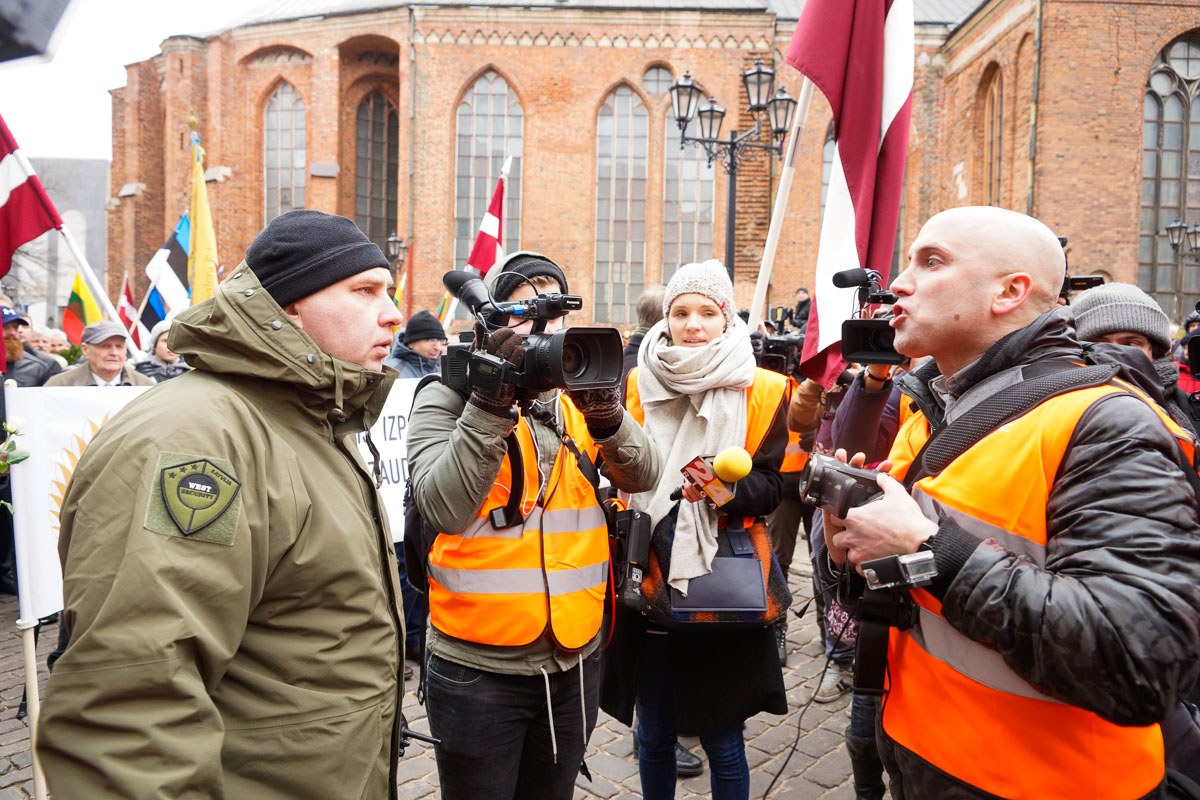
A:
(229, 580)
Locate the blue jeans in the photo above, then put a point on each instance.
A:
(729, 773)
(495, 729)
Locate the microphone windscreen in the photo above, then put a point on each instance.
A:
(850, 277)
(455, 279)
(732, 464)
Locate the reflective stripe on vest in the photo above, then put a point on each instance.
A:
(548, 572)
(956, 703)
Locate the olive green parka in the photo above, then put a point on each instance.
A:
(257, 656)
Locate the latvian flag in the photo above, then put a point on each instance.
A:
(488, 250)
(859, 53)
(127, 311)
(25, 209)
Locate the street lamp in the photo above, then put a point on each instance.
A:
(397, 250)
(1185, 241)
(763, 100)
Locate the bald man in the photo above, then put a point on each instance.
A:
(1062, 624)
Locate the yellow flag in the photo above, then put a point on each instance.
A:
(202, 254)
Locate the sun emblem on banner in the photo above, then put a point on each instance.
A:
(64, 467)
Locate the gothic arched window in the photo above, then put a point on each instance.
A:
(377, 168)
(1171, 174)
(622, 145)
(687, 201)
(490, 127)
(283, 153)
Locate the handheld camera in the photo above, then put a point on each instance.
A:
(575, 358)
(837, 487)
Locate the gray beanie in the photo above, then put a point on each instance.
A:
(1116, 307)
(710, 279)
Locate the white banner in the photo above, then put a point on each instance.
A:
(59, 424)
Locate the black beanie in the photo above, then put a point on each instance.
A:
(530, 265)
(301, 252)
(423, 325)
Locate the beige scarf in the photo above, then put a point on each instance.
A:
(694, 399)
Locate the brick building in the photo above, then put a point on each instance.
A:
(400, 116)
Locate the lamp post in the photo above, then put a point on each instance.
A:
(397, 250)
(764, 100)
(1185, 241)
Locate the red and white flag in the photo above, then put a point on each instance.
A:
(859, 53)
(25, 209)
(127, 311)
(488, 250)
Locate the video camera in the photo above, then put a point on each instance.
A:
(781, 350)
(575, 358)
(866, 340)
(837, 487)
(1078, 283)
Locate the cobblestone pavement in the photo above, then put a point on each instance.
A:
(818, 769)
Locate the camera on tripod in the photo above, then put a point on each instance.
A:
(866, 340)
(574, 358)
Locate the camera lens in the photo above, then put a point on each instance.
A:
(573, 359)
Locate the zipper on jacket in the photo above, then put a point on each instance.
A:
(372, 502)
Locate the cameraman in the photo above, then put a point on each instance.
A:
(1061, 626)
(515, 613)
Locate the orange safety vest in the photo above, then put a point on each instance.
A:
(549, 571)
(955, 702)
(795, 457)
(763, 399)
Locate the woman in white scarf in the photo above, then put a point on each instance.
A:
(694, 369)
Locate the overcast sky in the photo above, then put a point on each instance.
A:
(62, 108)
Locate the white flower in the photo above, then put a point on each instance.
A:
(15, 425)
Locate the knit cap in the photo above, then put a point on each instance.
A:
(1115, 307)
(158, 330)
(423, 325)
(710, 279)
(301, 252)
(529, 264)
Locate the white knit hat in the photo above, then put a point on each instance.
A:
(709, 279)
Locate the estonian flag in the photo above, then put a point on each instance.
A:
(167, 272)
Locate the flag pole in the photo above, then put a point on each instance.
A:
(94, 286)
(27, 627)
(781, 202)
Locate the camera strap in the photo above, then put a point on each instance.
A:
(950, 442)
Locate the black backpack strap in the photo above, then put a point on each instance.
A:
(1004, 406)
(508, 514)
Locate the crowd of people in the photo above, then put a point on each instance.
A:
(1036, 460)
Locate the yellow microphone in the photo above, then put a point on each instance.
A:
(711, 474)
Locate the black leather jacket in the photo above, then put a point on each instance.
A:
(1112, 623)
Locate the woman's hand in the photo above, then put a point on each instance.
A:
(692, 493)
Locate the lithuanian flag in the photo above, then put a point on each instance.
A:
(81, 310)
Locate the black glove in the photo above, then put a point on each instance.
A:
(506, 344)
(756, 342)
(601, 409)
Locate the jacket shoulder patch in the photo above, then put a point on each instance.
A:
(194, 497)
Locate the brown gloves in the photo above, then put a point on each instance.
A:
(506, 344)
(601, 409)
